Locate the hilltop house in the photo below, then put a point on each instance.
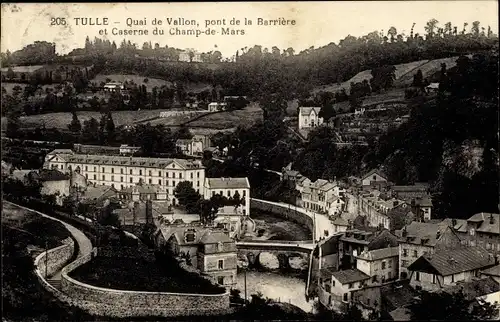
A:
(309, 117)
(229, 187)
(190, 55)
(482, 229)
(421, 238)
(373, 177)
(434, 271)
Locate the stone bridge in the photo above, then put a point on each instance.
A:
(264, 252)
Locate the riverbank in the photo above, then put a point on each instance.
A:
(270, 226)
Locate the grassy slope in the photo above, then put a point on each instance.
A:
(226, 120)
(404, 73)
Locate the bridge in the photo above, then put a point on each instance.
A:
(281, 250)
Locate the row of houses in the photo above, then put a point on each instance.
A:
(371, 269)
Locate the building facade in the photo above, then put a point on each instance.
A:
(309, 117)
(217, 258)
(381, 264)
(482, 229)
(228, 187)
(121, 172)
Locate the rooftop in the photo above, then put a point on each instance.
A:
(52, 175)
(374, 171)
(378, 254)
(476, 287)
(420, 233)
(461, 259)
(200, 234)
(488, 222)
(350, 276)
(493, 271)
(227, 183)
(306, 111)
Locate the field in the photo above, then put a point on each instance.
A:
(404, 73)
(152, 82)
(230, 119)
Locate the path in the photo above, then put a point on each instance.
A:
(84, 244)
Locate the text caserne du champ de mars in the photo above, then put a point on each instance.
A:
(172, 26)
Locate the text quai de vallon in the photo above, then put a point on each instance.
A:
(172, 26)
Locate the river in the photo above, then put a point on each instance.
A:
(275, 286)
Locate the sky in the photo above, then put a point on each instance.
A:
(316, 23)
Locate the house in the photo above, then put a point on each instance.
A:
(321, 196)
(229, 187)
(127, 171)
(336, 287)
(309, 117)
(423, 208)
(54, 182)
(217, 257)
(184, 146)
(340, 224)
(190, 56)
(144, 192)
(419, 238)
(210, 250)
(482, 229)
(216, 106)
(410, 192)
(128, 150)
(432, 88)
(359, 111)
(113, 87)
(493, 272)
(354, 241)
(96, 195)
(380, 264)
(373, 177)
(194, 146)
(325, 255)
(434, 271)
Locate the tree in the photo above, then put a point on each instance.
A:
(187, 196)
(75, 126)
(10, 73)
(418, 79)
(430, 27)
(208, 211)
(475, 28)
(327, 112)
(393, 32)
(450, 307)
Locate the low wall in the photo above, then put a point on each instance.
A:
(124, 304)
(47, 263)
(289, 213)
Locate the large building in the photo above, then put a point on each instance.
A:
(121, 172)
(320, 196)
(228, 187)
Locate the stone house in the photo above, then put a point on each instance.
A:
(481, 229)
(380, 264)
(373, 177)
(354, 242)
(421, 238)
(309, 117)
(217, 257)
(228, 187)
(336, 287)
(443, 268)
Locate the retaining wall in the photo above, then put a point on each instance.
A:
(290, 213)
(124, 304)
(54, 259)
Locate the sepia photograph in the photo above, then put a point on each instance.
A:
(198, 161)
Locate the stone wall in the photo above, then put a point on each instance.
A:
(124, 304)
(52, 261)
(288, 213)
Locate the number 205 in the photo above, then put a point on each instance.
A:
(58, 21)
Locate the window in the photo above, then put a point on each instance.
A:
(197, 183)
(374, 178)
(159, 182)
(405, 252)
(121, 187)
(103, 177)
(333, 283)
(131, 180)
(103, 170)
(197, 175)
(417, 276)
(383, 265)
(173, 183)
(220, 193)
(180, 175)
(121, 170)
(390, 263)
(350, 285)
(86, 168)
(159, 173)
(221, 264)
(112, 178)
(150, 181)
(220, 280)
(345, 297)
(229, 193)
(112, 185)
(374, 279)
(112, 170)
(404, 263)
(166, 182)
(244, 193)
(86, 176)
(140, 172)
(453, 278)
(167, 174)
(415, 254)
(130, 171)
(472, 232)
(192, 175)
(150, 173)
(95, 177)
(173, 175)
(213, 193)
(433, 278)
(121, 179)
(95, 169)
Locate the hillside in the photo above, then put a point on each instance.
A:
(404, 74)
(151, 83)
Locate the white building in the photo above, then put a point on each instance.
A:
(122, 172)
(228, 187)
(215, 106)
(194, 146)
(380, 264)
(309, 117)
(190, 55)
(126, 149)
(320, 196)
(113, 87)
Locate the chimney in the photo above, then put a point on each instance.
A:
(492, 220)
(454, 222)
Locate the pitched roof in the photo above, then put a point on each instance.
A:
(306, 111)
(183, 141)
(374, 171)
(489, 222)
(227, 183)
(96, 192)
(460, 259)
(381, 253)
(215, 237)
(422, 233)
(329, 246)
(493, 271)
(350, 276)
(475, 288)
(128, 161)
(422, 187)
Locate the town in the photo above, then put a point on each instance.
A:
(183, 189)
